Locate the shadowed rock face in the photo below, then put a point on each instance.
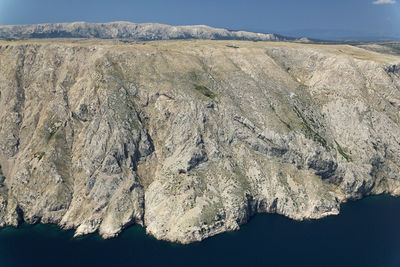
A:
(192, 138)
(128, 30)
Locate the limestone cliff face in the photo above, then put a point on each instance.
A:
(192, 138)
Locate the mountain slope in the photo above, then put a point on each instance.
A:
(128, 30)
(192, 138)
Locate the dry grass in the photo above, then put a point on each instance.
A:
(223, 45)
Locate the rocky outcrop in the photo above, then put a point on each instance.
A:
(128, 30)
(192, 138)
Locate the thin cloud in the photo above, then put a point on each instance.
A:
(384, 2)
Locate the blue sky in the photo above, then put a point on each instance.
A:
(301, 17)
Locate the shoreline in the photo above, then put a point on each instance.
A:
(347, 239)
(26, 226)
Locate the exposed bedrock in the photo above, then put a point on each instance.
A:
(192, 138)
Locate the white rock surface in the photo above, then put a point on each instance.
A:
(128, 30)
(192, 138)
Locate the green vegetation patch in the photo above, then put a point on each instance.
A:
(286, 124)
(39, 155)
(395, 46)
(135, 124)
(51, 134)
(309, 132)
(341, 152)
(2, 177)
(204, 91)
(52, 129)
(243, 181)
(117, 71)
(210, 214)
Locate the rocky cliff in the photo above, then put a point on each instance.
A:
(128, 30)
(192, 138)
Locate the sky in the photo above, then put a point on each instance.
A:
(310, 18)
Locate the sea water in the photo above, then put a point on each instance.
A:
(366, 233)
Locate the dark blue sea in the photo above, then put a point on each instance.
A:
(366, 233)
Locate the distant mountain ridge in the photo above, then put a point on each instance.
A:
(342, 35)
(129, 30)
